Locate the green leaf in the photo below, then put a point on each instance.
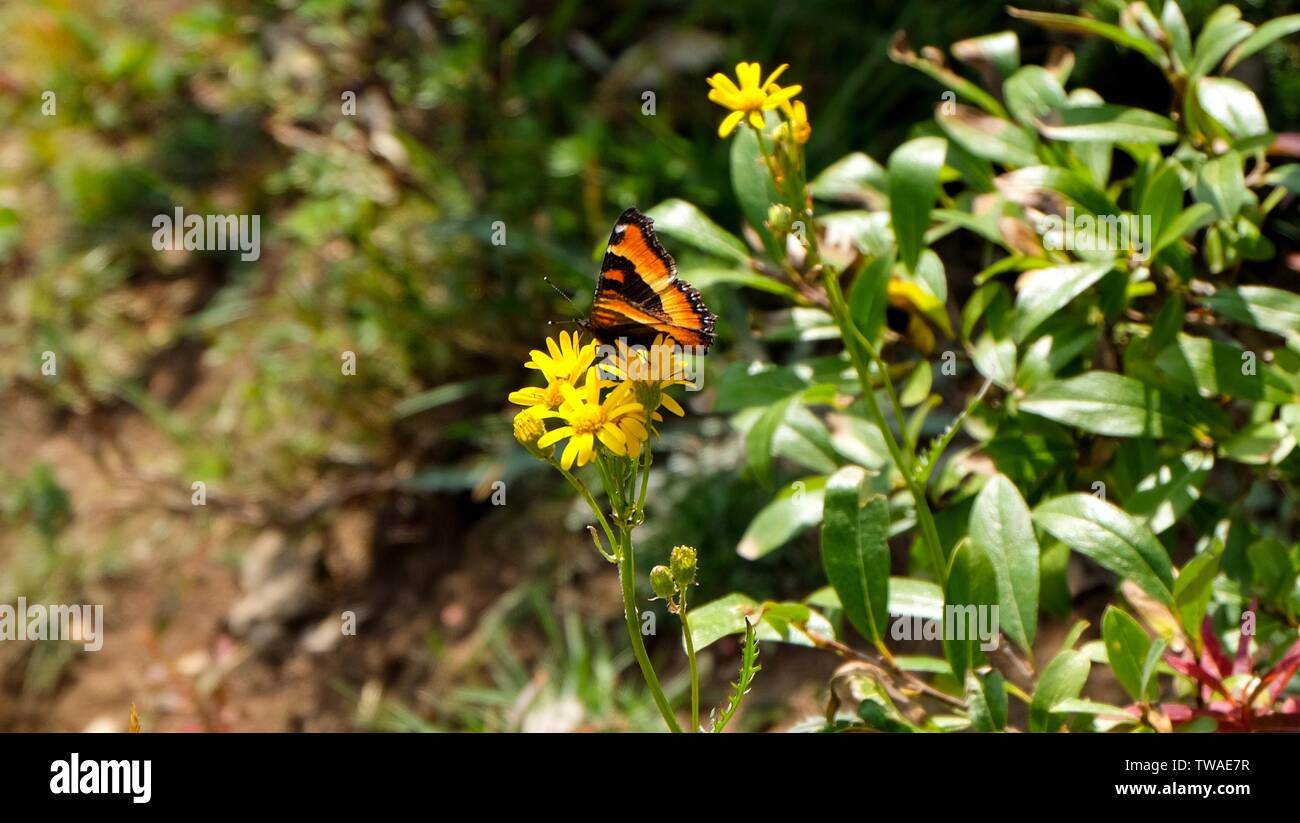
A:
(1259, 444)
(772, 621)
(1116, 540)
(855, 551)
(702, 279)
(855, 178)
(1220, 182)
(901, 52)
(1175, 25)
(1062, 680)
(986, 695)
(913, 186)
(1192, 218)
(1089, 25)
(1211, 369)
(1223, 30)
(989, 137)
(1027, 186)
(1032, 93)
(1263, 307)
(1192, 592)
(1266, 34)
(752, 182)
(909, 597)
(758, 442)
(1046, 291)
(744, 385)
(683, 221)
(1000, 51)
(1170, 491)
(796, 508)
(971, 584)
(1287, 176)
(1110, 124)
(1107, 403)
(1127, 646)
(1233, 106)
(1000, 525)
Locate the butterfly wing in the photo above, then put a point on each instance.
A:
(639, 295)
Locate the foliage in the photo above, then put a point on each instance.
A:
(1129, 395)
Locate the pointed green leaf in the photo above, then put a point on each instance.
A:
(1000, 524)
(1111, 537)
(855, 551)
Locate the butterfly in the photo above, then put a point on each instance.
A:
(639, 296)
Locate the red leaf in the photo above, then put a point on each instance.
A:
(1192, 669)
(1277, 677)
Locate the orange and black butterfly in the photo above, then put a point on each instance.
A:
(639, 296)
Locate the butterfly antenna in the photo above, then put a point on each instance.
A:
(560, 292)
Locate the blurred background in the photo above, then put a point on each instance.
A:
(328, 493)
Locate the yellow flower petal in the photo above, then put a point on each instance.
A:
(555, 436)
(778, 97)
(530, 396)
(777, 72)
(671, 405)
(756, 120)
(749, 74)
(730, 123)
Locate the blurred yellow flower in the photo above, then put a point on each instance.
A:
(563, 366)
(799, 126)
(615, 421)
(751, 97)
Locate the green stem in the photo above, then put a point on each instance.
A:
(627, 576)
(852, 340)
(591, 502)
(695, 672)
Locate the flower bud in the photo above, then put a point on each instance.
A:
(529, 428)
(682, 564)
(661, 581)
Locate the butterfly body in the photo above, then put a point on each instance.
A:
(639, 296)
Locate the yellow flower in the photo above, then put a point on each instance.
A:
(650, 371)
(751, 97)
(799, 126)
(615, 421)
(564, 366)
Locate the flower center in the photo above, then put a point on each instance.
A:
(588, 419)
(752, 99)
(554, 394)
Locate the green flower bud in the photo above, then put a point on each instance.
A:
(682, 563)
(661, 581)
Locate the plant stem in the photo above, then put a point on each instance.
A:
(627, 577)
(695, 672)
(904, 462)
(591, 502)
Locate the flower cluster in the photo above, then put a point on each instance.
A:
(751, 96)
(613, 405)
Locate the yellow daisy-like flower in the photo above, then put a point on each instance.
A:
(650, 371)
(563, 366)
(751, 97)
(615, 421)
(799, 126)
